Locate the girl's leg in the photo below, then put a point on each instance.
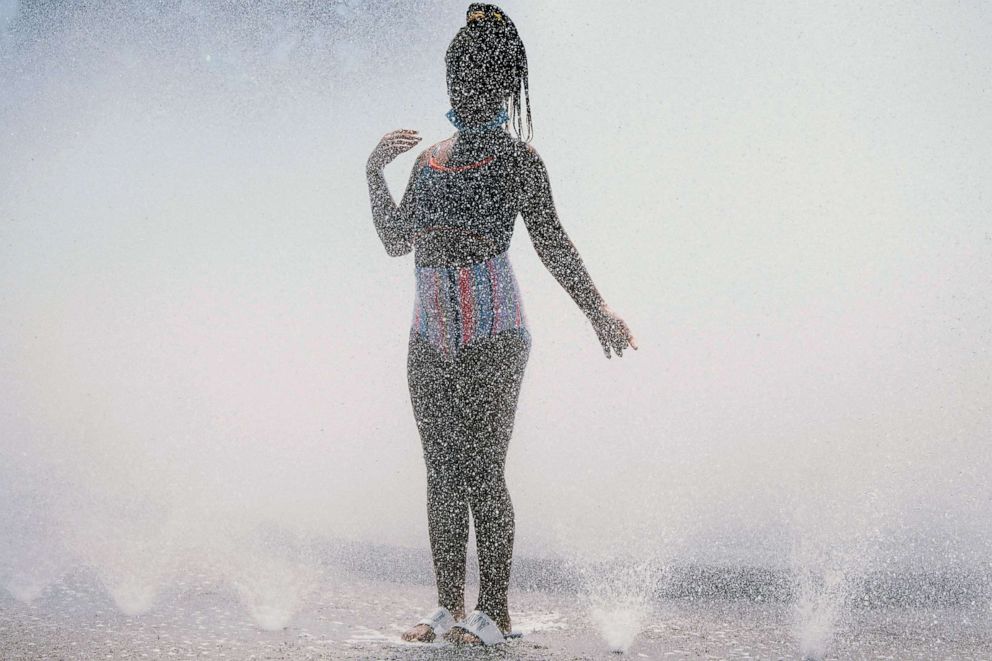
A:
(447, 496)
(490, 377)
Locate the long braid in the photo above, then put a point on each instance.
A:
(530, 123)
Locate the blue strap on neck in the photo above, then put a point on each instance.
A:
(502, 117)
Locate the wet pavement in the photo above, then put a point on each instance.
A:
(352, 617)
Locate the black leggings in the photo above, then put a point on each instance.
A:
(465, 410)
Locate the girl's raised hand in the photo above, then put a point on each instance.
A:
(392, 145)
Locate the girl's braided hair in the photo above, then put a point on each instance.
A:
(488, 56)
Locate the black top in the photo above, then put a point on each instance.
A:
(461, 204)
(465, 199)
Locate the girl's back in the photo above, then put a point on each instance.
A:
(466, 197)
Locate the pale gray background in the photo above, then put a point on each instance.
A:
(200, 333)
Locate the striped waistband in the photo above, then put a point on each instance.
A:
(457, 304)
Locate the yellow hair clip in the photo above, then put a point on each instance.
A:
(478, 15)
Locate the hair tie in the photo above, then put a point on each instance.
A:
(479, 14)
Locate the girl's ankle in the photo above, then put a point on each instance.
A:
(457, 612)
(502, 620)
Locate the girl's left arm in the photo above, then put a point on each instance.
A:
(560, 256)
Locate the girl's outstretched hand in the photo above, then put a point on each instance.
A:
(612, 331)
(392, 145)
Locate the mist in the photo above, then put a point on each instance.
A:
(203, 344)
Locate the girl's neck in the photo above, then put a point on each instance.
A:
(465, 128)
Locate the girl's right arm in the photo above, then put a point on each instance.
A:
(393, 223)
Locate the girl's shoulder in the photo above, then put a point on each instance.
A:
(523, 154)
(526, 156)
(438, 150)
(523, 149)
(437, 153)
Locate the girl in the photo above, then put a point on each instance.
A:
(469, 342)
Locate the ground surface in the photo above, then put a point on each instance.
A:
(355, 618)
